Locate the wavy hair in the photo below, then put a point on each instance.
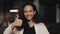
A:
(36, 18)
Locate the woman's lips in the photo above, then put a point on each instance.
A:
(29, 16)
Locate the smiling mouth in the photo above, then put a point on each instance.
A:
(28, 16)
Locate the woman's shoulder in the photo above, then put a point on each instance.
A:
(40, 23)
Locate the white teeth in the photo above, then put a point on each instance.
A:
(28, 16)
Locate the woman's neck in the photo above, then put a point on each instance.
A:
(31, 23)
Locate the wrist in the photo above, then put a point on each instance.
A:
(12, 26)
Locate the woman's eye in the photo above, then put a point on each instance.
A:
(30, 11)
(25, 11)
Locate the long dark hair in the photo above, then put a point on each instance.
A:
(36, 18)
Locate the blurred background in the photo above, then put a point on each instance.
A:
(48, 9)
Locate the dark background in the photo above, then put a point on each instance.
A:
(47, 9)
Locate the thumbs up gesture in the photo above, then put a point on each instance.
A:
(17, 22)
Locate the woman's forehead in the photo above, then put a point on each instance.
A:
(28, 7)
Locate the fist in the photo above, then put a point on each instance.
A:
(17, 22)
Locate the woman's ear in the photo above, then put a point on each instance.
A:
(34, 12)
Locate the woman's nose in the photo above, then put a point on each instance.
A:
(28, 13)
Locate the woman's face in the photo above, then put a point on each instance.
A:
(29, 12)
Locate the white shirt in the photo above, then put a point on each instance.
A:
(39, 29)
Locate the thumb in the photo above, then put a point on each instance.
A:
(17, 17)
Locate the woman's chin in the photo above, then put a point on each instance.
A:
(28, 19)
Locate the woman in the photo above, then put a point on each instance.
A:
(27, 21)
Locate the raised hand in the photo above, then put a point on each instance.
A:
(17, 22)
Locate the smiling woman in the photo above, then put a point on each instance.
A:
(29, 12)
(28, 21)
